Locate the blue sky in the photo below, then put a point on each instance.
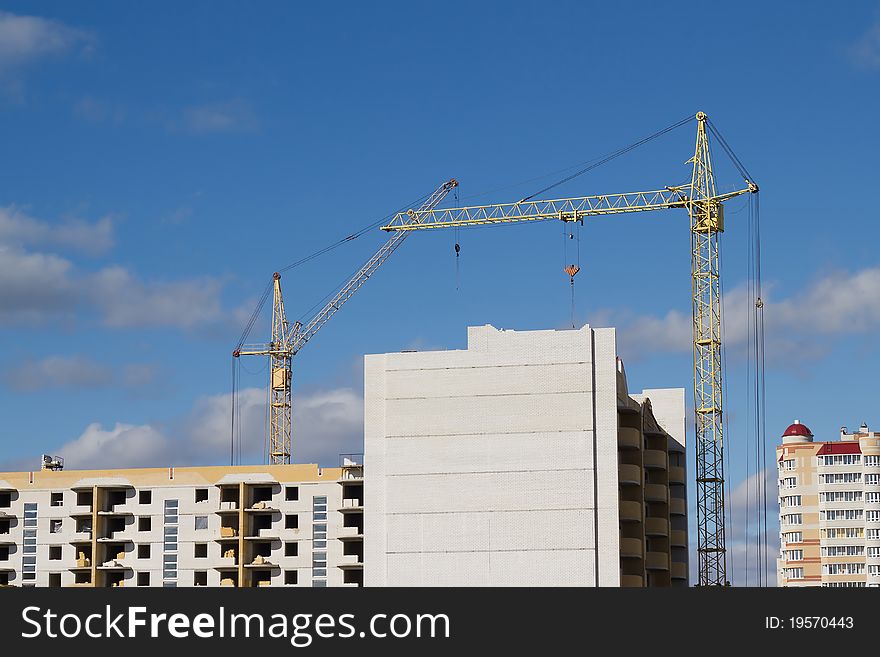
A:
(162, 160)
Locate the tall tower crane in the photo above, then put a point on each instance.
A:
(288, 340)
(706, 211)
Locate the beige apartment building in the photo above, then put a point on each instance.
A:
(246, 526)
(829, 509)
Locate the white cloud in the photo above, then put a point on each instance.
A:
(235, 115)
(58, 372)
(27, 38)
(20, 229)
(839, 303)
(36, 288)
(125, 301)
(866, 51)
(76, 372)
(326, 423)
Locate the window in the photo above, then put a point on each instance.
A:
(843, 551)
(5, 500)
(844, 584)
(291, 521)
(169, 570)
(319, 583)
(29, 568)
(84, 498)
(144, 523)
(789, 464)
(872, 461)
(843, 568)
(291, 494)
(200, 550)
(57, 499)
(873, 534)
(55, 526)
(170, 512)
(201, 495)
(54, 580)
(54, 553)
(789, 482)
(29, 545)
(319, 508)
(794, 555)
(791, 500)
(290, 577)
(841, 478)
(5, 526)
(200, 578)
(4, 553)
(793, 537)
(143, 551)
(792, 519)
(201, 522)
(841, 514)
(170, 539)
(145, 497)
(319, 531)
(872, 479)
(842, 532)
(841, 496)
(143, 579)
(840, 459)
(169, 585)
(874, 570)
(83, 525)
(794, 573)
(872, 516)
(874, 552)
(291, 549)
(30, 515)
(872, 498)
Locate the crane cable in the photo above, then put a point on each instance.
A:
(612, 156)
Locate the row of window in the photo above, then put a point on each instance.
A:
(145, 522)
(841, 496)
(843, 568)
(843, 551)
(841, 514)
(790, 500)
(843, 532)
(319, 540)
(840, 459)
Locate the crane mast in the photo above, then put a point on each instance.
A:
(287, 341)
(706, 211)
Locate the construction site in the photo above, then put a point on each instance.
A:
(522, 460)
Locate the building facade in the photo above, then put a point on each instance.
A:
(278, 525)
(829, 509)
(521, 460)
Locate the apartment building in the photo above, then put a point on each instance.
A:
(829, 509)
(278, 525)
(521, 460)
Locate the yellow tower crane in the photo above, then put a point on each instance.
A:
(288, 340)
(706, 211)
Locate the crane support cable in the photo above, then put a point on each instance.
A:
(729, 151)
(612, 156)
(330, 247)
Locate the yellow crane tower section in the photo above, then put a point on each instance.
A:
(288, 340)
(706, 211)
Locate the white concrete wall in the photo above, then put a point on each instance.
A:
(495, 465)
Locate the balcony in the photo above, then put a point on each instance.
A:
(678, 538)
(654, 459)
(676, 474)
(631, 581)
(657, 561)
(350, 533)
(630, 548)
(629, 475)
(679, 570)
(656, 493)
(677, 507)
(628, 438)
(630, 511)
(350, 562)
(656, 527)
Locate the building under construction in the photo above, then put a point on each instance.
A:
(522, 461)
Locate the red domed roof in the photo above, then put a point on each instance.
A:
(798, 429)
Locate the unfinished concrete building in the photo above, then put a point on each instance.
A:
(244, 526)
(521, 460)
